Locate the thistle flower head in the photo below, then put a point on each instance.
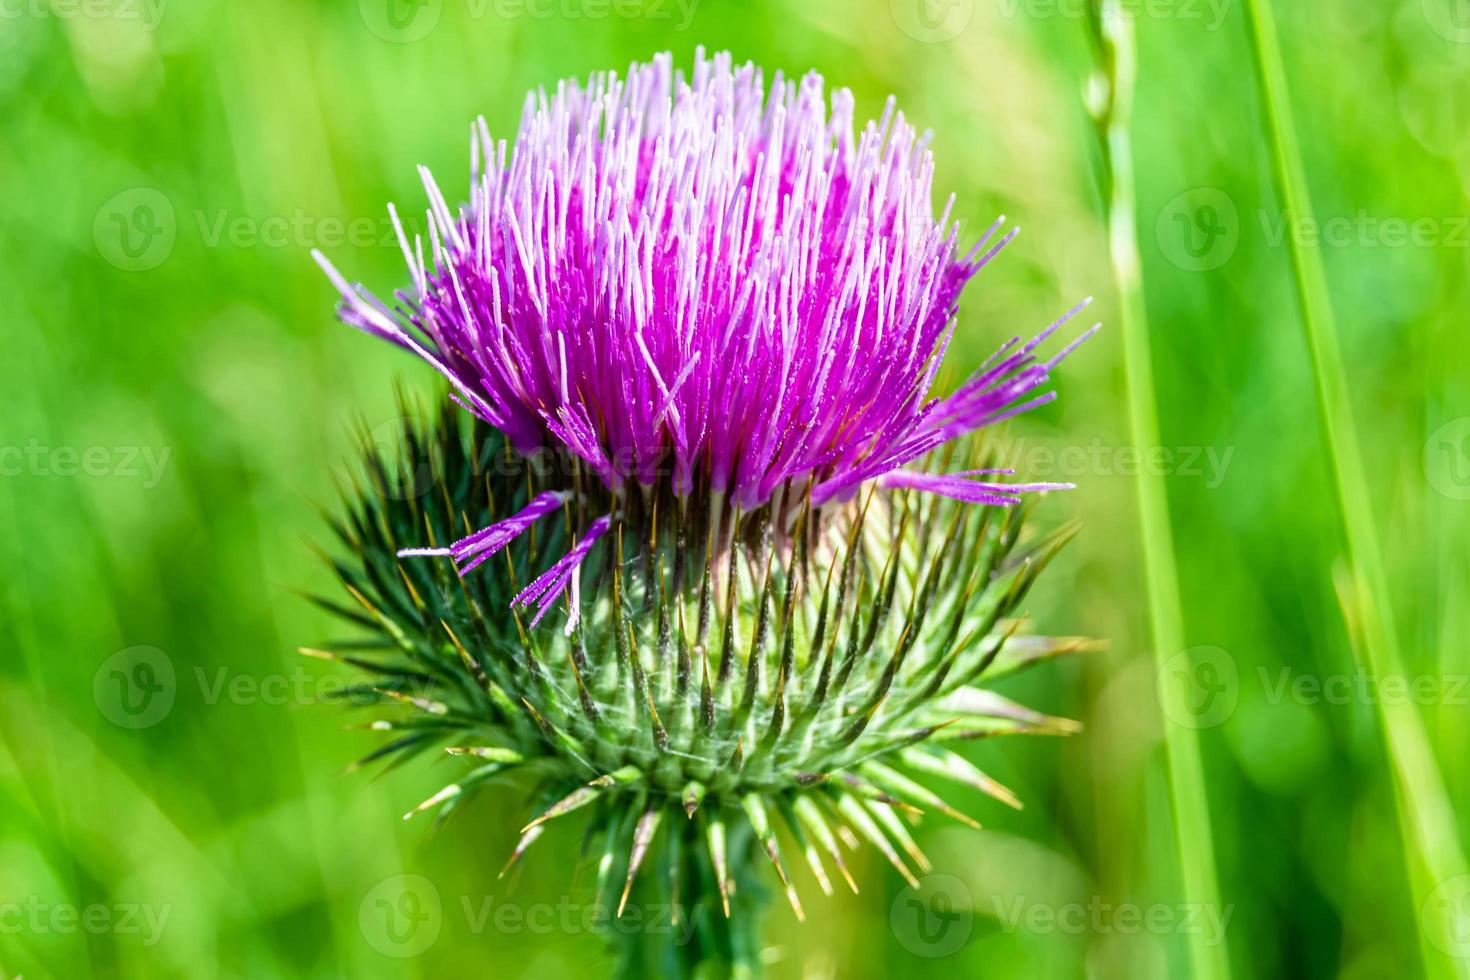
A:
(695, 323)
(696, 281)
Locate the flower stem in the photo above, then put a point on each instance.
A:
(685, 934)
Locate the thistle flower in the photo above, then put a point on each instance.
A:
(694, 325)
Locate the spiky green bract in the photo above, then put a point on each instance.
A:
(768, 684)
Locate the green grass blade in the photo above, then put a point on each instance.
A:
(1186, 772)
(1426, 817)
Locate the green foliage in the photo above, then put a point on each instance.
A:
(216, 384)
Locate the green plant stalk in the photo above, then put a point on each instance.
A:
(687, 934)
(1426, 818)
(1186, 772)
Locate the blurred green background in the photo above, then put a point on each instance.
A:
(177, 398)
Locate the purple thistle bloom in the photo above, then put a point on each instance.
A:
(700, 279)
(697, 322)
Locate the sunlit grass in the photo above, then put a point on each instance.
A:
(1432, 853)
(1191, 806)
